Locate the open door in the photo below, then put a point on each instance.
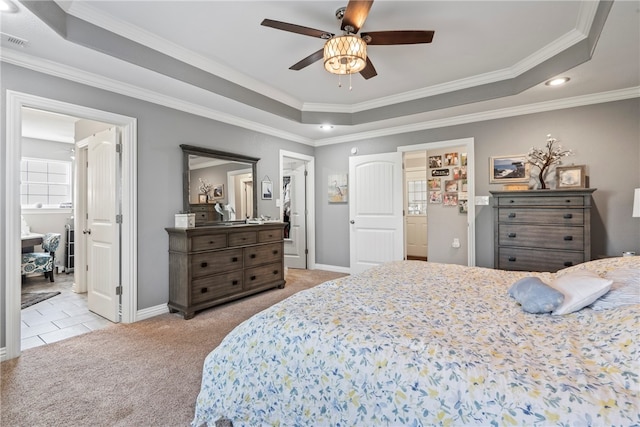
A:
(294, 209)
(375, 210)
(103, 228)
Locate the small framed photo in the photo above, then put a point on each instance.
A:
(571, 176)
(218, 191)
(503, 169)
(202, 198)
(435, 161)
(267, 190)
(434, 183)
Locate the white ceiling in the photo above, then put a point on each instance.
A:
(476, 43)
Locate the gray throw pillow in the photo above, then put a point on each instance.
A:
(535, 296)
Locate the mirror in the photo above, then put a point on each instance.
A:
(218, 186)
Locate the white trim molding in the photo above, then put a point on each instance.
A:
(14, 103)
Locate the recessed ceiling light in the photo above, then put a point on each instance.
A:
(557, 81)
(326, 127)
(7, 6)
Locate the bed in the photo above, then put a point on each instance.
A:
(417, 343)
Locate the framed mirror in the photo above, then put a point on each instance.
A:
(218, 186)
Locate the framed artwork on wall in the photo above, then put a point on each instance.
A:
(571, 176)
(267, 190)
(503, 169)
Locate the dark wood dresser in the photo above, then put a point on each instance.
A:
(211, 265)
(541, 230)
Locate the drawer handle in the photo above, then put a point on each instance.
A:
(512, 259)
(252, 278)
(270, 235)
(512, 201)
(203, 290)
(252, 256)
(234, 259)
(567, 216)
(512, 215)
(511, 235)
(568, 201)
(275, 252)
(568, 238)
(275, 272)
(204, 265)
(211, 242)
(568, 263)
(235, 282)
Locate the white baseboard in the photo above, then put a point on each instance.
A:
(147, 313)
(3, 354)
(334, 268)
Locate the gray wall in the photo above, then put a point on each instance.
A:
(160, 132)
(605, 137)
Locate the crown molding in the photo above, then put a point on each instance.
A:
(86, 12)
(94, 80)
(540, 107)
(100, 82)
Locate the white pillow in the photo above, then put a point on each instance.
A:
(580, 288)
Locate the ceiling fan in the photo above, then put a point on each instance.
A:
(347, 54)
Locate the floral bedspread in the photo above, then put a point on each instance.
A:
(414, 343)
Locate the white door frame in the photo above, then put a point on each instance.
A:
(15, 102)
(468, 143)
(311, 209)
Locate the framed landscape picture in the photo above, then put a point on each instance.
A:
(504, 169)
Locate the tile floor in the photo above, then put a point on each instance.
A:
(63, 316)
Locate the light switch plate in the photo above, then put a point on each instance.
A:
(482, 200)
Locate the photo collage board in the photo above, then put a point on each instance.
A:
(447, 181)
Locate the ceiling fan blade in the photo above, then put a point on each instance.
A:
(355, 14)
(369, 70)
(315, 56)
(397, 37)
(298, 29)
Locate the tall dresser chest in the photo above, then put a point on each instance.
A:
(541, 230)
(210, 265)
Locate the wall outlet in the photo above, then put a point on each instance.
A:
(455, 243)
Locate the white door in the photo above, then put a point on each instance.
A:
(103, 232)
(294, 206)
(416, 213)
(375, 210)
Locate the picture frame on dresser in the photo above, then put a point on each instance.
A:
(511, 168)
(573, 176)
(202, 198)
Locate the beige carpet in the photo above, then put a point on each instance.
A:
(142, 374)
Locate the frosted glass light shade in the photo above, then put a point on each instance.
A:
(345, 54)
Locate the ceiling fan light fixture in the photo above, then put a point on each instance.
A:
(345, 54)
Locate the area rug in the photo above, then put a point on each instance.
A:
(31, 298)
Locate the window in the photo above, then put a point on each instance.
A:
(417, 197)
(45, 183)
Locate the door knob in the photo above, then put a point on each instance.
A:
(87, 231)
(352, 222)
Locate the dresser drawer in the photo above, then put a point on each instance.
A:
(536, 260)
(215, 262)
(209, 242)
(242, 238)
(213, 287)
(544, 237)
(262, 254)
(541, 216)
(272, 235)
(265, 274)
(541, 201)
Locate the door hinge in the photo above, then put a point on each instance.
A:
(119, 219)
(306, 251)
(306, 173)
(118, 290)
(118, 148)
